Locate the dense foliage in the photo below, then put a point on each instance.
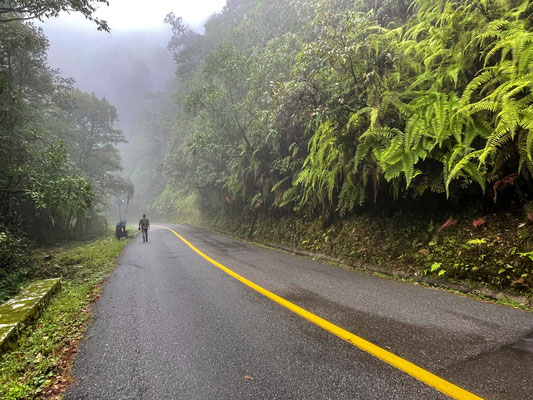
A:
(21, 10)
(332, 106)
(58, 146)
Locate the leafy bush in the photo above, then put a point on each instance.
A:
(13, 263)
(332, 106)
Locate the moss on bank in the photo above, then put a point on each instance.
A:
(494, 250)
(39, 365)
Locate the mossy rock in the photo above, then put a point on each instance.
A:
(24, 308)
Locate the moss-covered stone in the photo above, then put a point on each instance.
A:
(22, 309)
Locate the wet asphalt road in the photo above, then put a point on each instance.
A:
(169, 325)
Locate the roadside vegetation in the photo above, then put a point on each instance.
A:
(59, 161)
(359, 129)
(39, 364)
(496, 255)
(59, 169)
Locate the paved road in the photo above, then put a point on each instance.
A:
(170, 325)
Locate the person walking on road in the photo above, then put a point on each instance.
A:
(144, 225)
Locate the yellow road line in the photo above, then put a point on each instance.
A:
(415, 371)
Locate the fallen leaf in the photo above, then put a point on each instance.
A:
(478, 222)
(424, 252)
(448, 223)
(520, 282)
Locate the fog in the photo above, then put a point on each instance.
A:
(130, 61)
(121, 67)
(127, 66)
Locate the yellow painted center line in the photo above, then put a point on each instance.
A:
(415, 371)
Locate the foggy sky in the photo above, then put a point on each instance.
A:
(129, 62)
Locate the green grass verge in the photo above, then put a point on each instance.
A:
(39, 365)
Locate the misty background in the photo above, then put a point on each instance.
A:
(131, 66)
(130, 61)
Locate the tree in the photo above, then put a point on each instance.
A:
(20, 10)
(91, 135)
(331, 106)
(58, 155)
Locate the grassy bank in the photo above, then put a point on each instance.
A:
(494, 251)
(39, 365)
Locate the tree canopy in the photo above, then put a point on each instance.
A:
(21, 10)
(326, 107)
(59, 161)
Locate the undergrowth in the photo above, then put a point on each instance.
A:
(39, 364)
(495, 250)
